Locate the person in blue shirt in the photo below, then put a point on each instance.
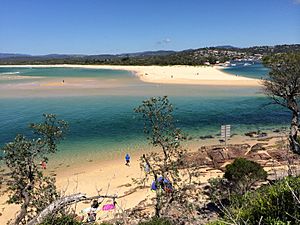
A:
(127, 158)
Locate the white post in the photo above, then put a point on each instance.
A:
(225, 132)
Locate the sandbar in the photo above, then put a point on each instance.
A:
(179, 74)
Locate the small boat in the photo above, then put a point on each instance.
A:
(247, 64)
(233, 64)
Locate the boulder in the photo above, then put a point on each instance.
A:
(251, 134)
(257, 147)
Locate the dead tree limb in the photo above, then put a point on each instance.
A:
(63, 202)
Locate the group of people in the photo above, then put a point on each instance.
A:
(163, 184)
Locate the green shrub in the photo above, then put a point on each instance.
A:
(219, 189)
(273, 204)
(243, 174)
(239, 177)
(156, 221)
(67, 220)
(217, 223)
(61, 220)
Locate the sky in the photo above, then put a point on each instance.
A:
(122, 26)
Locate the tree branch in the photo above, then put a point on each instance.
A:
(63, 202)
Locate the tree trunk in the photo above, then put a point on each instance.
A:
(158, 197)
(55, 206)
(23, 212)
(61, 203)
(295, 147)
(157, 205)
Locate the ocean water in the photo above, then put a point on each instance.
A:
(253, 70)
(102, 123)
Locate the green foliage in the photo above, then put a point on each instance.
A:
(271, 204)
(284, 77)
(218, 222)
(239, 178)
(159, 126)
(243, 174)
(62, 220)
(219, 189)
(26, 184)
(158, 122)
(275, 203)
(283, 88)
(67, 219)
(156, 221)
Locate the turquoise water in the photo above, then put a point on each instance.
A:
(107, 122)
(255, 70)
(62, 73)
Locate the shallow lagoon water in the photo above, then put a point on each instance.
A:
(102, 123)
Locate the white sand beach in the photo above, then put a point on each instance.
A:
(192, 75)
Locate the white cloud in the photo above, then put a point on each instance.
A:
(164, 41)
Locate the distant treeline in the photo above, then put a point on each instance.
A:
(211, 55)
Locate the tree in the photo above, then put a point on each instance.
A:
(53, 210)
(26, 184)
(283, 87)
(243, 174)
(238, 179)
(167, 164)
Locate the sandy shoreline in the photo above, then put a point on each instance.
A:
(112, 177)
(194, 75)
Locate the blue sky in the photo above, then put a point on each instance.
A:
(120, 26)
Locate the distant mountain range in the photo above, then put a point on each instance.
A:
(200, 56)
(63, 56)
(9, 55)
(226, 47)
(136, 54)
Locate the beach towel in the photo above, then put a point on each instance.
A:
(108, 207)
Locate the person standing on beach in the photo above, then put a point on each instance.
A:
(127, 159)
(43, 165)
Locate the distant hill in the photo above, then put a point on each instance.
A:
(9, 55)
(200, 56)
(226, 47)
(58, 56)
(150, 53)
(65, 56)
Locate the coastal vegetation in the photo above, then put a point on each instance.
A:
(270, 204)
(238, 179)
(25, 183)
(172, 179)
(201, 56)
(243, 174)
(283, 87)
